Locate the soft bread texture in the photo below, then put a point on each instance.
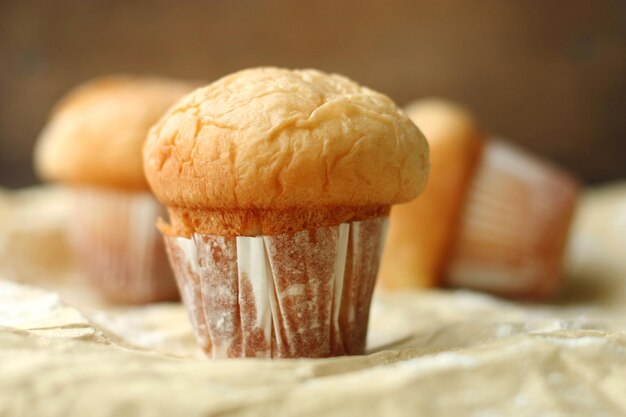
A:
(421, 232)
(96, 132)
(270, 139)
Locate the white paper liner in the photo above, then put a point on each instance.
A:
(512, 233)
(305, 294)
(119, 248)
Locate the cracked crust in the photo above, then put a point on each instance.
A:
(270, 139)
(96, 132)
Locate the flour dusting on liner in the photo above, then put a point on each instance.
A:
(305, 294)
(118, 246)
(512, 232)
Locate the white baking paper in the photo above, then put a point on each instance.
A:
(293, 295)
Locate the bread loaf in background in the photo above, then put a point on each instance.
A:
(492, 218)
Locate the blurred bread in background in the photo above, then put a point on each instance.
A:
(493, 218)
(92, 145)
(514, 225)
(421, 232)
(96, 132)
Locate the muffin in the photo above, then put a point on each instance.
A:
(92, 144)
(493, 218)
(278, 184)
(421, 232)
(514, 227)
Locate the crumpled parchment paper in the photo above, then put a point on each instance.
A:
(64, 352)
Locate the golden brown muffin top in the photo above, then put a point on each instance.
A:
(270, 138)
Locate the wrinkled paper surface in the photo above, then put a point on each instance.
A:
(64, 352)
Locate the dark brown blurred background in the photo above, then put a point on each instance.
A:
(550, 75)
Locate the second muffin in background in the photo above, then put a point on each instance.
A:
(278, 184)
(421, 232)
(92, 144)
(494, 218)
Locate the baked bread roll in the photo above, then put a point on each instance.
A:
(92, 144)
(278, 183)
(493, 218)
(421, 232)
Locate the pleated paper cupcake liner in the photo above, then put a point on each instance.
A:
(118, 247)
(305, 294)
(512, 232)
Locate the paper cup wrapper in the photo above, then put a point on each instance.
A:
(514, 226)
(118, 246)
(297, 295)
